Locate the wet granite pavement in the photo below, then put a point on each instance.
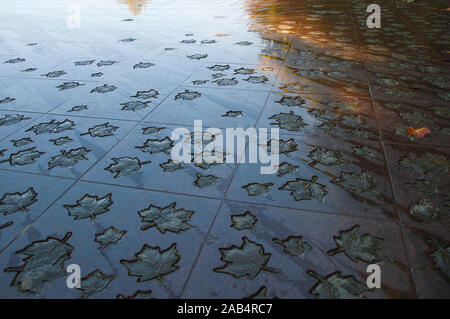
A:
(79, 106)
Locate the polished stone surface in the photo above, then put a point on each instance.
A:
(81, 93)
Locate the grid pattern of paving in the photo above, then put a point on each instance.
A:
(84, 113)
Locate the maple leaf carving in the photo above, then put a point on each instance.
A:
(134, 105)
(302, 189)
(345, 106)
(286, 168)
(328, 126)
(13, 202)
(103, 89)
(218, 67)
(256, 79)
(166, 218)
(208, 158)
(188, 41)
(294, 86)
(226, 82)
(9, 119)
(244, 71)
(51, 127)
(84, 62)
(247, 260)
(204, 180)
(232, 114)
(68, 158)
(44, 262)
(7, 100)
(425, 186)
(24, 157)
(127, 40)
(218, 75)
(61, 140)
(244, 43)
(101, 130)
(288, 121)
(16, 60)
(123, 166)
(243, 221)
(291, 101)
(200, 82)
(171, 166)
(424, 209)
(151, 130)
(197, 56)
(145, 95)
(363, 151)
(294, 245)
(444, 95)
(335, 286)
(143, 65)
(54, 74)
(284, 146)
(355, 121)
(154, 146)
(22, 142)
(152, 263)
(413, 117)
(90, 206)
(106, 63)
(357, 246)
(325, 157)
(95, 282)
(356, 183)
(254, 189)
(188, 95)
(78, 108)
(69, 85)
(110, 236)
(425, 163)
